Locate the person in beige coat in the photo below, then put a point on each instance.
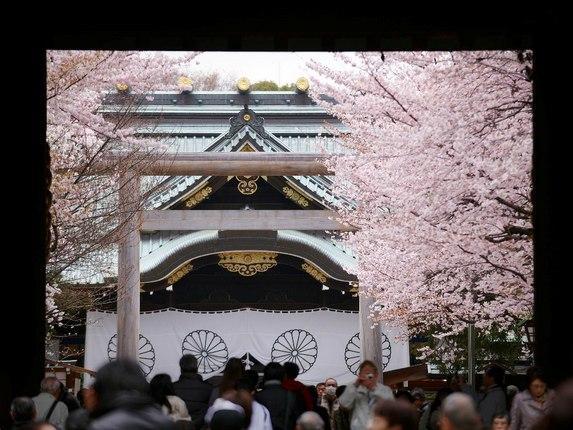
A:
(361, 396)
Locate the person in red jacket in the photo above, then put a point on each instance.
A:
(291, 384)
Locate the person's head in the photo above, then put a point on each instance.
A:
(500, 422)
(439, 399)
(493, 375)
(459, 413)
(188, 364)
(320, 387)
(63, 390)
(405, 396)
(511, 390)
(419, 397)
(536, 382)
(117, 377)
(89, 398)
(233, 372)
(81, 397)
(309, 421)
(456, 382)
(273, 372)
(161, 386)
(22, 410)
(291, 370)
(249, 380)
(51, 385)
(227, 419)
(392, 415)
(368, 370)
(330, 386)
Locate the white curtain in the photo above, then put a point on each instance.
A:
(322, 342)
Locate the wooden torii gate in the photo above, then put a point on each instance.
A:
(216, 164)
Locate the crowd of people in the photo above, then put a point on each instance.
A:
(122, 398)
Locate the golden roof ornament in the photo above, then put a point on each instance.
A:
(243, 85)
(247, 263)
(122, 87)
(185, 84)
(302, 85)
(314, 271)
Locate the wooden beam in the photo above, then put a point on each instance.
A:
(412, 373)
(154, 220)
(128, 269)
(225, 164)
(73, 367)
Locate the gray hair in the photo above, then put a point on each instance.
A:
(460, 410)
(310, 421)
(50, 385)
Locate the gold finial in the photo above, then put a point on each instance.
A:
(243, 85)
(302, 85)
(185, 83)
(122, 87)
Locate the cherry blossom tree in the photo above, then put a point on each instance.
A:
(85, 219)
(440, 172)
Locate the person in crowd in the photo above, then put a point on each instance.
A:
(459, 385)
(510, 391)
(330, 400)
(363, 393)
(298, 388)
(40, 425)
(280, 402)
(81, 397)
(227, 419)
(493, 401)
(123, 400)
(68, 398)
(163, 393)
(320, 410)
(320, 388)
(422, 406)
(225, 404)
(560, 415)
(22, 411)
(341, 415)
(459, 413)
(309, 420)
(80, 418)
(500, 422)
(233, 372)
(435, 408)
(388, 414)
(48, 407)
(260, 415)
(193, 390)
(229, 394)
(532, 403)
(404, 396)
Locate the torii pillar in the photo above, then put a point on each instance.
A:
(128, 266)
(370, 338)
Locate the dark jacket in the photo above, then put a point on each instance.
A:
(492, 402)
(131, 411)
(68, 399)
(195, 393)
(282, 405)
(78, 420)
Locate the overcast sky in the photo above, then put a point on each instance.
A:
(280, 67)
